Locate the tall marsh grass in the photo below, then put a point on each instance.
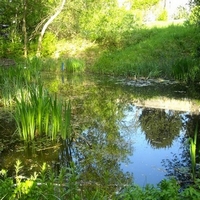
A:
(185, 69)
(37, 113)
(13, 79)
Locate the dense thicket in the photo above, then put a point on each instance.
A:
(105, 21)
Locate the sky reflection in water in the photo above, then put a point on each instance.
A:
(146, 161)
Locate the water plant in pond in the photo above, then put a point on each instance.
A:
(24, 116)
(56, 107)
(10, 84)
(38, 113)
(185, 69)
(13, 79)
(65, 124)
(193, 143)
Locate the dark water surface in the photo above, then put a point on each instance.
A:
(124, 130)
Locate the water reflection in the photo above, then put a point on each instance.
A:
(161, 127)
(116, 139)
(146, 162)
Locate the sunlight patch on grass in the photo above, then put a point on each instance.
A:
(77, 48)
(160, 24)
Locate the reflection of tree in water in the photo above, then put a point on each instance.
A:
(99, 146)
(98, 155)
(160, 127)
(180, 166)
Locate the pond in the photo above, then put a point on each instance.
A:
(124, 130)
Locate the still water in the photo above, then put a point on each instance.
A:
(124, 130)
(146, 160)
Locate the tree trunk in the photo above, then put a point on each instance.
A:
(24, 28)
(50, 20)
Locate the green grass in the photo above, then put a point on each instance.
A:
(151, 51)
(158, 50)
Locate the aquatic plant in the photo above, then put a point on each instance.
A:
(193, 143)
(56, 116)
(13, 79)
(66, 122)
(38, 113)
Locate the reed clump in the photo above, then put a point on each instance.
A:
(38, 113)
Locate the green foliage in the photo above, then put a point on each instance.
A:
(37, 113)
(25, 19)
(14, 78)
(66, 185)
(43, 185)
(166, 189)
(192, 192)
(166, 51)
(109, 26)
(185, 69)
(48, 44)
(144, 4)
(194, 17)
(74, 65)
(51, 64)
(193, 144)
(10, 50)
(163, 16)
(6, 184)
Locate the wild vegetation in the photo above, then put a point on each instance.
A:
(111, 34)
(90, 36)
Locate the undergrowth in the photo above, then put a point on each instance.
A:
(155, 52)
(66, 185)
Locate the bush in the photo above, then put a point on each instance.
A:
(163, 16)
(48, 44)
(194, 17)
(108, 26)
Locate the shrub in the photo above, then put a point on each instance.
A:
(48, 44)
(163, 16)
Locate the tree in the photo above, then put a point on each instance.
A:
(23, 18)
(49, 21)
(160, 127)
(27, 21)
(195, 11)
(143, 4)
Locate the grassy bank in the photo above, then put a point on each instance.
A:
(169, 52)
